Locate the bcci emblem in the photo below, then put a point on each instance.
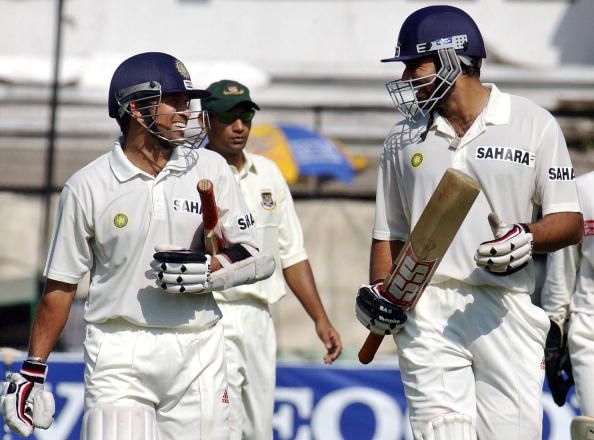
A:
(232, 90)
(267, 201)
(120, 220)
(416, 160)
(182, 69)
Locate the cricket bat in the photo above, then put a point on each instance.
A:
(428, 242)
(210, 215)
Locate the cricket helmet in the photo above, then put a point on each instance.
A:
(147, 77)
(452, 38)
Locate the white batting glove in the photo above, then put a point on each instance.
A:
(178, 270)
(509, 252)
(24, 403)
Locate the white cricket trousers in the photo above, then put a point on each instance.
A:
(478, 351)
(580, 342)
(250, 344)
(179, 374)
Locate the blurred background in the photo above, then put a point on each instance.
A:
(310, 64)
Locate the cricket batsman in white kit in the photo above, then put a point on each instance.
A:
(568, 299)
(154, 350)
(471, 351)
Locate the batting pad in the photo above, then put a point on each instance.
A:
(119, 423)
(450, 426)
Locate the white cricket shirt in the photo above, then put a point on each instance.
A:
(514, 149)
(111, 215)
(570, 271)
(277, 226)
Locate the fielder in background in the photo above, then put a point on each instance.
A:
(250, 339)
(471, 351)
(154, 351)
(568, 299)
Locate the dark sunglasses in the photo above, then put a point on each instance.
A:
(230, 117)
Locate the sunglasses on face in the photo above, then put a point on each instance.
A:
(230, 117)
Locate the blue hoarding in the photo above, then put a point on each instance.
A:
(344, 401)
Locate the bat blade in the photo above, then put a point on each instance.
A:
(428, 242)
(210, 215)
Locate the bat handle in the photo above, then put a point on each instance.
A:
(370, 347)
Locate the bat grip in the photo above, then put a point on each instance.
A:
(370, 347)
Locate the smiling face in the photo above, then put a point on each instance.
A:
(171, 116)
(229, 138)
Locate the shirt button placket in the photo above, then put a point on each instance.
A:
(158, 199)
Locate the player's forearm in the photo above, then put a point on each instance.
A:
(50, 318)
(300, 279)
(556, 231)
(383, 253)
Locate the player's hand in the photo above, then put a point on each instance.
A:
(179, 270)
(24, 403)
(331, 340)
(509, 252)
(376, 313)
(558, 364)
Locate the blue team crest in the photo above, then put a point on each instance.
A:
(266, 199)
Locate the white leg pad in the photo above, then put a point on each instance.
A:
(452, 426)
(582, 428)
(119, 423)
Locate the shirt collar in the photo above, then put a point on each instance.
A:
(496, 112)
(125, 170)
(249, 166)
(122, 168)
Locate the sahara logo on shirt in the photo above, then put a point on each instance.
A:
(246, 221)
(120, 220)
(561, 173)
(183, 205)
(508, 154)
(267, 201)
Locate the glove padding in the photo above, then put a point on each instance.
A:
(558, 364)
(178, 270)
(24, 403)
(509, 252)
(247, 266)
(376, 313)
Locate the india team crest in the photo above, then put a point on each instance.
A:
(120, 220)
(182, 69)
(416, 160)
(267, 201)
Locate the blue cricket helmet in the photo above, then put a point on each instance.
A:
(149, 73)
(432, 28)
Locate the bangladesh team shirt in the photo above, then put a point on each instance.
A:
(516, 152)
(110, 217)
(569, 285)
(277, 227)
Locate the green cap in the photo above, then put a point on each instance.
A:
(226, 94)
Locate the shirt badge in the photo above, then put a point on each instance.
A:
(267, 201)
(120, 220)
(416, 160)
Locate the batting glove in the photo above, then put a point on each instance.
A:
(377, 314)
(179, 270)
(24, 403)
(558, 364)
(509, 252)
